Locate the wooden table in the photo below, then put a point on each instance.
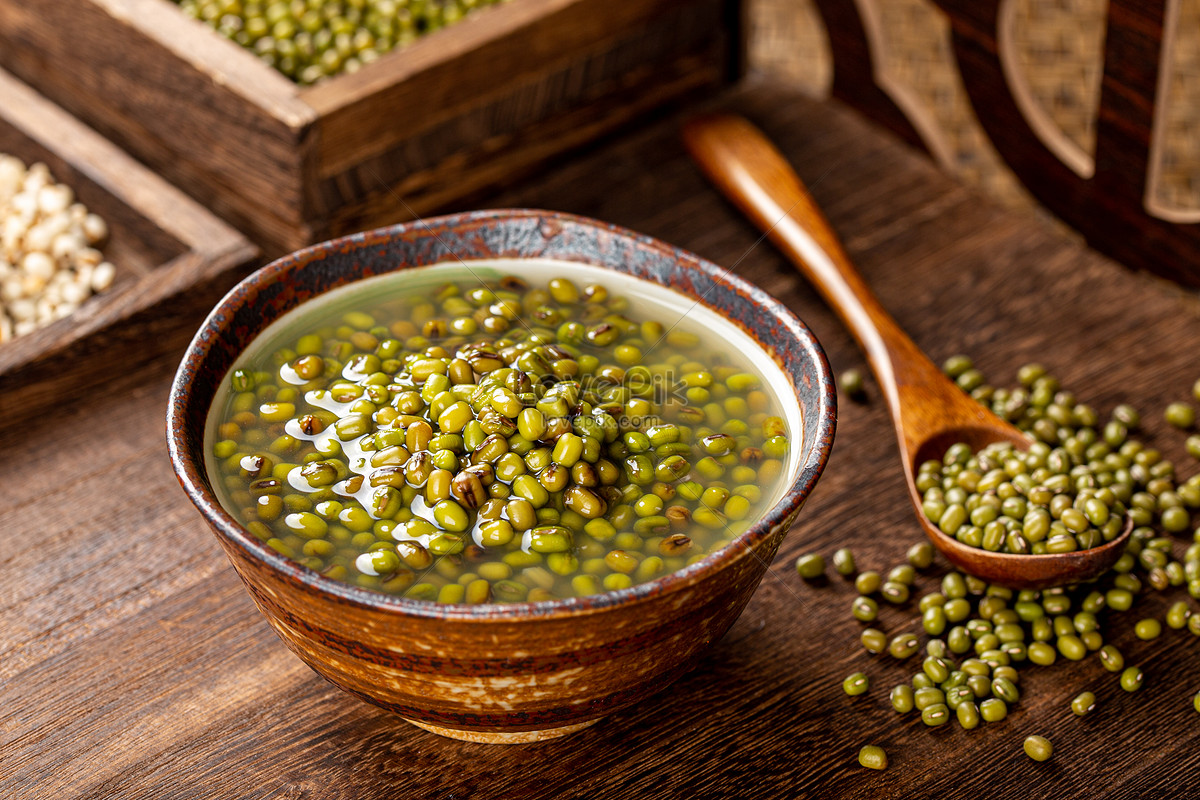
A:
(133, 664)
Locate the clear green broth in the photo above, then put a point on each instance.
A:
(459, 435)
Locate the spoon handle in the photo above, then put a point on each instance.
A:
(929, 411)
(746, 167)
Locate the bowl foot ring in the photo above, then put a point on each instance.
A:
(496, 737)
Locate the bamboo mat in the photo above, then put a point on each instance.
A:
(1060, 47)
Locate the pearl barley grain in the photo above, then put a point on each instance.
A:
(49, 264)
(103, 275)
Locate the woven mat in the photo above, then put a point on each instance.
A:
(1059, 44)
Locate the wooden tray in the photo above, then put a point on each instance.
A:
(171, 256)
(467, 107)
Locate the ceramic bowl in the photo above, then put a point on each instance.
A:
(520, 672)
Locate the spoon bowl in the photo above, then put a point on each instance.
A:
(1016, 571)
(928, 411)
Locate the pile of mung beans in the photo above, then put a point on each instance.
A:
(49, 264)
(495, 443)
(1042, 500)
(308, 40)
(979, 638)
(1071, 489)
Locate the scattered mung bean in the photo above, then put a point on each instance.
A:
(809, 566)
(872, 757)
(874, 640)
(856, 684)
(843, 562)
(1180, 415)
(1131, 679)
(1038, 747)
(1083, 474)
(852, 384)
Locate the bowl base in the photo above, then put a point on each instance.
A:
(496, 737)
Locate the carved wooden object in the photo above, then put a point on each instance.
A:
(1108, 196)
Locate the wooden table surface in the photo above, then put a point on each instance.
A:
(134, 665)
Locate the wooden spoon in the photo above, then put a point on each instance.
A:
(929, 411)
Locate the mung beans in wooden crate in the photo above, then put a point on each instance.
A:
(462, 109)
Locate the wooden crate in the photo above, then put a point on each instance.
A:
(460, 110)
(173, 260)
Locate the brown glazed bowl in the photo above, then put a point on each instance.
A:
(520, 672)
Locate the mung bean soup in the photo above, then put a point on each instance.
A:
(462, 435)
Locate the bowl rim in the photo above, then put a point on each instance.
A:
(191, 472)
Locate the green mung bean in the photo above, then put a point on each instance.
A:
(920, 555)
(903, 645)
(872, 757)
(935, 715)
(1083, 704)
(864, 609)
(868, 582)
(1180, 415)
(1038, 748)
(993, 710)
(852, 384)
(810, 566)
(873, 640)
(856, 684)
(1148, 628)
(926, 696)
(903, 698)
(1131, 679)
(894, 592)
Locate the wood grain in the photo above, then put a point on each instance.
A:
(164, 245)
(574, 70)
(384, 190)
(443, 77)
(151, 676)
